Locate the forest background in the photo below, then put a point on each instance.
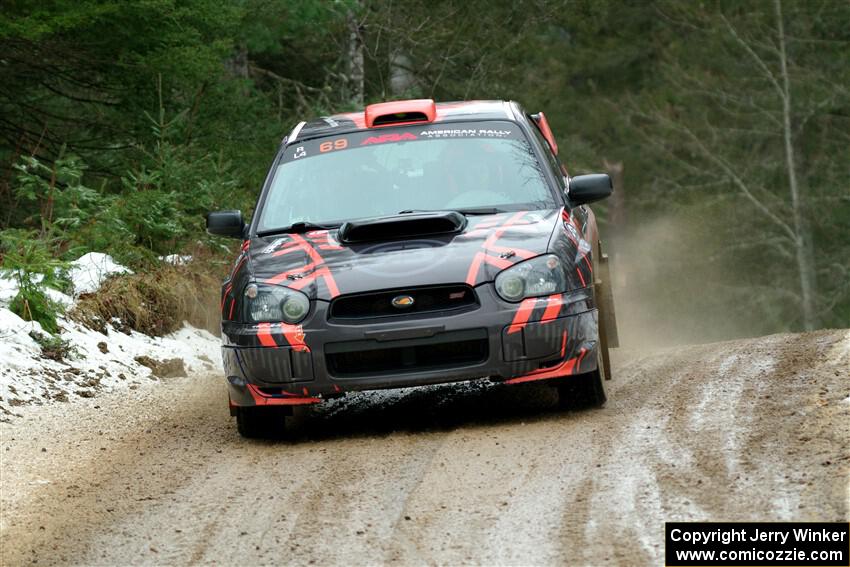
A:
(726, 125)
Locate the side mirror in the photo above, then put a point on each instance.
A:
(226, 223)
(589, 188)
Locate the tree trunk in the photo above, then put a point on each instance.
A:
(401, 79)
(355, 59)
(802, 241)
(237, 65)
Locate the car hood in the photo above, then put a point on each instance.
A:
(323, 268)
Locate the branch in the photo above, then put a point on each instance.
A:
(839, 294)
(759, 61)
(761, 291)
(730, 173)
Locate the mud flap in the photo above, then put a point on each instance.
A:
(608, 336)
(606, 296)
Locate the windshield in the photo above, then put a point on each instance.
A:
(380, 173)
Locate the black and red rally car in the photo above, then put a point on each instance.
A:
(415, 243)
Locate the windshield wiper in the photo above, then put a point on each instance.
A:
(297, 228)
(468, 212)
(480, 211)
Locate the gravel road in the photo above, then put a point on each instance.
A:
(755, 429)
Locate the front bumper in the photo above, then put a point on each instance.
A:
(541, 338)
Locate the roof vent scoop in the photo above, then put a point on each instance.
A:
(400, 112)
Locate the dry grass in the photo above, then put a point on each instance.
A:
(158, 301)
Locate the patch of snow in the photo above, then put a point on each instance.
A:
(176, 259)
(638, 494)
(8, 288)
(16, 345)
(784, 499)
(65, 300)
(97, 361)
(90, 271)
(839, 354)
(26, 377)
(723, 410)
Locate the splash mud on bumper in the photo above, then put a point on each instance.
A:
(503, 343)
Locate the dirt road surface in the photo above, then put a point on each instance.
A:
(753, 429)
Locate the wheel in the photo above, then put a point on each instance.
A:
(261, 422)
(588, 390)
(583, 390)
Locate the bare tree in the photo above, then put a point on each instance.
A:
(736, 117)
(354, 59)
(802, 236)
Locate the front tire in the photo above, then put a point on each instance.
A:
(587, 390)
(261, 422)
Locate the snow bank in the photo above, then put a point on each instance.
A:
(90, 271)
(98, 362)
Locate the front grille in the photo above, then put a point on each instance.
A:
(370, 358)
(425, 300)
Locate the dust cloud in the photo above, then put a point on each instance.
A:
(674, 284)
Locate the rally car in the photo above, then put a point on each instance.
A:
(415, 243)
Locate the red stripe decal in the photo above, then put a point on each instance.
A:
(330, 282)
(264, 333)
(262, 399)
(294, 335)
(565, 368)
(489, 223)
(580, 358)
(581, 277)
(224, 297)
(500, 263)
(238, 267)
(564, 345)
(316, 264)
(286, 249)
(553, 308)
(522, 315)
(277, 279)
(232, 305)
(320, 273)
(472, 275)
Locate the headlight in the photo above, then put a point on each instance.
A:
(275, 303)
(543, 275)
